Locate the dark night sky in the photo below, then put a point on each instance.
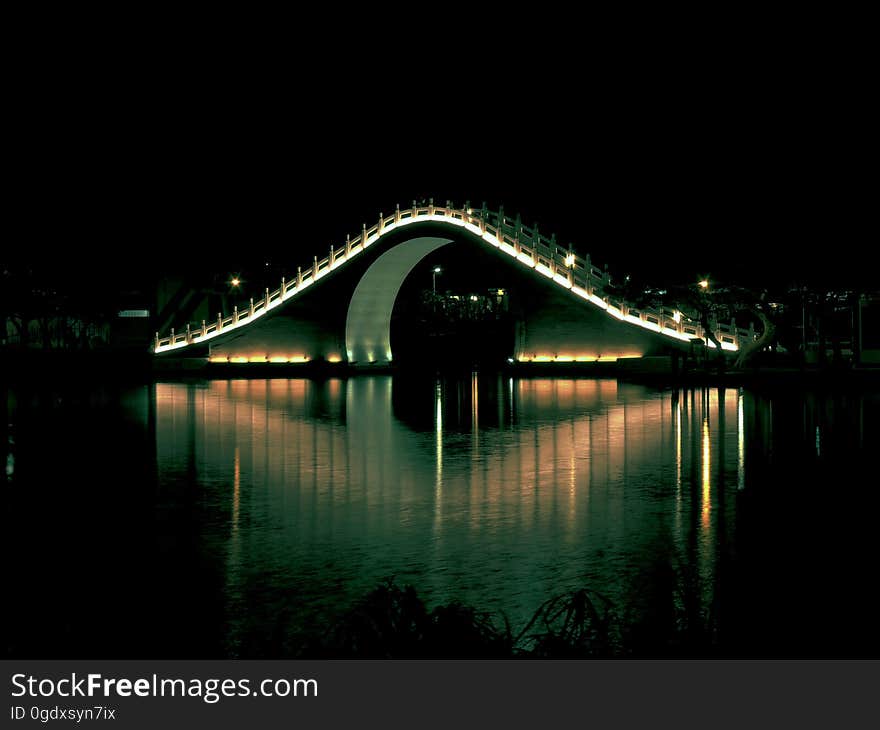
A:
(668, 170)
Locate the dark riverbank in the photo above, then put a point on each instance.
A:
(139, 366)
(94, 366)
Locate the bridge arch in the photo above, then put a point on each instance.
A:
(368, 322)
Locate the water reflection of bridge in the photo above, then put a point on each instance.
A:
(508, 491)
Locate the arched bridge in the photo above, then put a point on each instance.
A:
(576, 322)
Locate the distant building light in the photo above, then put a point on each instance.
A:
(128, 313)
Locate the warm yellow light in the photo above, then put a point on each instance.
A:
(238, 359)
(569, 260)
(707, 469)
(257, 358)
(219, 359)
(704, 283)
(299, 358)
(277, 359)
(334, 358)
(235, 281)
(676, 316)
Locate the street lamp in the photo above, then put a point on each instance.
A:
(437, 270)
(704, 284)
(235, 282)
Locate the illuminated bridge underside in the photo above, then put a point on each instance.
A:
(368, 324)
(350, 320)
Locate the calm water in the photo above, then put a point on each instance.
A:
(233, 518)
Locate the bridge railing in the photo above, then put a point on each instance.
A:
(526, 244)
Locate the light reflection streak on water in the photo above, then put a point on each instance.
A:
(438, 454)
(512, 403)
(740, 443)
(706, 462)
(236, 489)
(678, 495)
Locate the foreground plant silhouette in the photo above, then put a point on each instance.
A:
(578, 624)
(393, 622)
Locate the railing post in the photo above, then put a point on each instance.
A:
(235, 314)
(347, 245)
(299, 278)
(414, 209)
(251, 310)
(381, 225)
(430, 206)
(363, 235)
(266, 306)
(172, 336)
(283, 287)
(156, 343)
(332, 258)
(314, 268)
(397, 213)
(500, 221)
(204, 328)
(219, 321)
